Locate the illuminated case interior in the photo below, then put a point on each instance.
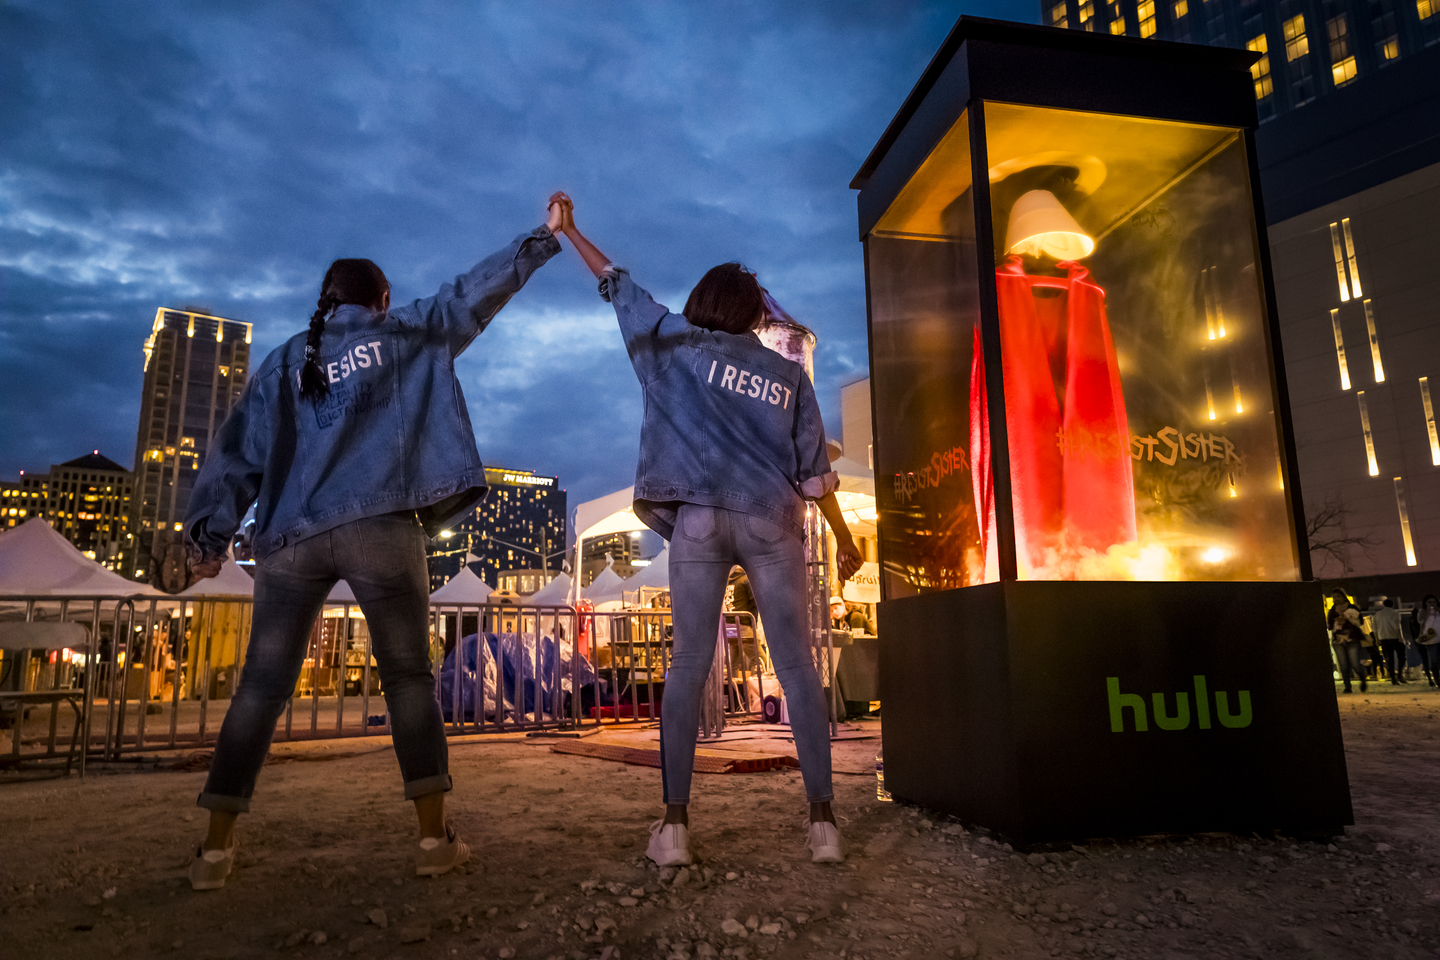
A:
(1083, 460)
(1142, 429)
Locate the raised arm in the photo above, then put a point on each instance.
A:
(590, 253)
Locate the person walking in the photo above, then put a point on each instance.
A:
(731, 448)
(354, 442)
(1425, 623)
(1346, 636)
(1391, 640)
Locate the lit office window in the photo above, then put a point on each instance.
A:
(1369, 438)
(1260, 70)
(1117, 26)
(1389, 48)
(1057, 16)
(1430, 420)
(1340, 349)
(1404, 509)
(1374, 343)
(1339, 261)
(1297, 44)
(1179, 8)
(1342, 61)
(1426, 8)
(1087, 15)
(1145, 10)
(1350, 257)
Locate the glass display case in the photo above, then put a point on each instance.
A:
(1141, 427)
(1084, 469)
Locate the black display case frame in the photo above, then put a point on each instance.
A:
(998, 700)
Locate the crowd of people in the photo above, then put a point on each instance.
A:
(1385, 643)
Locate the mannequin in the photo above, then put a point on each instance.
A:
(1071, 480)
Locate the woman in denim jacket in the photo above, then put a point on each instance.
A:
(731, 447)
(354, 442)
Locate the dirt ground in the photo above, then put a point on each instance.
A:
(97, 868)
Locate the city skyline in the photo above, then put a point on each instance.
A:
(221, 157)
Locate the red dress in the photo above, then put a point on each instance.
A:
(1070, 474)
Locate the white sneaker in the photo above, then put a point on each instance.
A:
(437, 856)
(669, 844)
(210, 867)
(824, 843)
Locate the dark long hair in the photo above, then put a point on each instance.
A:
(727, 298)
(356, 281)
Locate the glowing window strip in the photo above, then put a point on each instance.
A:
(1235, 382)
(1374, 343)
(1350, 258)
(1369, 439)
(1209, 396)
(1340, 349)
(1405, 522)
(1430, 420)
(1214, 310)
(1339, 261)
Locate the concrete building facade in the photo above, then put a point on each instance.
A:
(196, 366)
(87, 500)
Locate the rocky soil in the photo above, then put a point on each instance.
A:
(97, 868)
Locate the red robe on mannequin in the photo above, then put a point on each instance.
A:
(1070, 475)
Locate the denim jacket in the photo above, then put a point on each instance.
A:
(394, 434)
(728, 422)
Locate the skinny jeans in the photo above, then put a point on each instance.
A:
(1429, 660)
(1347, 656)
(709, 541)
(383, 560)
(1394, 649)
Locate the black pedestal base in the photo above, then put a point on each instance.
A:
(1052, 711)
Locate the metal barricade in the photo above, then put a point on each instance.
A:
(519, 678)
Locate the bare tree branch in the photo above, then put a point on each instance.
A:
(1325, 532)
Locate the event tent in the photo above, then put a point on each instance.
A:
(35, 560)
(606, 587)
(557, 591)
(230, 582)
(464, 587)
(655, 576)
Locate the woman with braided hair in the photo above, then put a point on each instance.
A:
(353, 442)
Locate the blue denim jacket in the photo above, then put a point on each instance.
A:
(728, 422)
(393, 435)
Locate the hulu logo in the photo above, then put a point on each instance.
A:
(1180, 719)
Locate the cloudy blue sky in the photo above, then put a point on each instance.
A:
(220, 154)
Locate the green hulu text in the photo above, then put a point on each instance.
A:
(1180, 719)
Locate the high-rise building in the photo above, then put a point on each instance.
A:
(1349, 167)
(87, 500)
(1309, 48)
(195, 369)
(521, 520)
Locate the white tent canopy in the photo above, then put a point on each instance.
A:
(612, 513)
(606, 587)
(656, 575)
(35, 560)
(230, 582)
(464, 587)
(557, 591)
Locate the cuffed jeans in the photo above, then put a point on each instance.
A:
(383, 560)
(708, 542)
(1347, 657)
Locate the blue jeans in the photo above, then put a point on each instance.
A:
(708, 542)
(383, 560)
(1347, 657)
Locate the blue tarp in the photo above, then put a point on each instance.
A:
(516, 655)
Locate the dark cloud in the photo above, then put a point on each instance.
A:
(223, 153)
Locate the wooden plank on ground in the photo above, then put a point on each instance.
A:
(706, 761)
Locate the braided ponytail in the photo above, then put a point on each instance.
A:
(347, 281)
